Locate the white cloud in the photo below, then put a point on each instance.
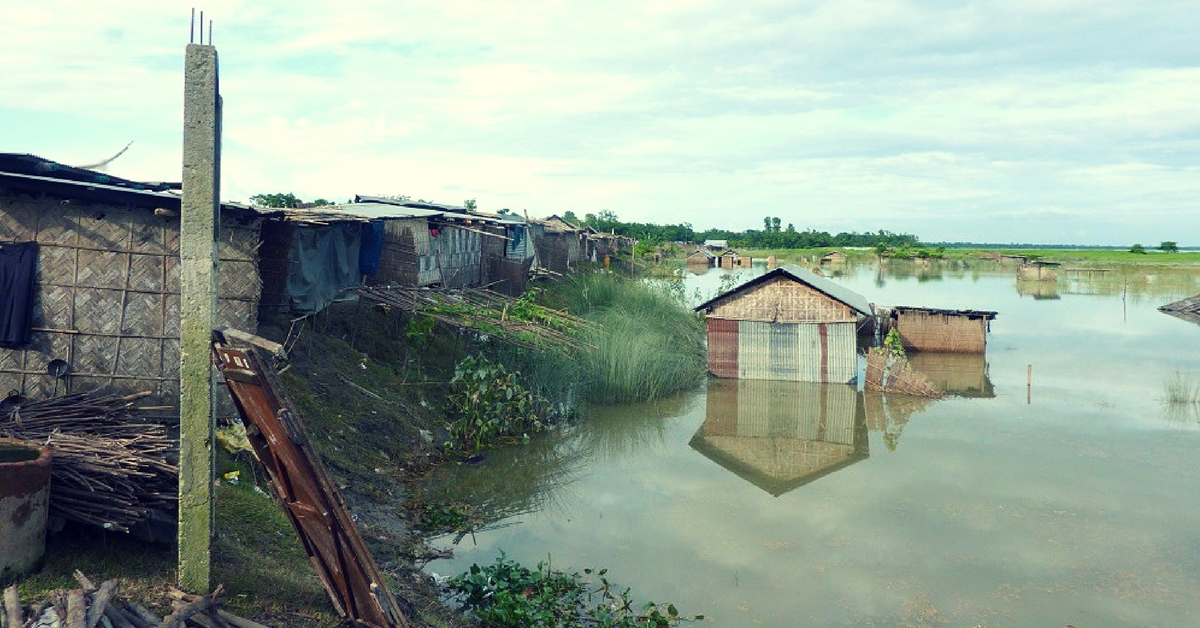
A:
(944, 120)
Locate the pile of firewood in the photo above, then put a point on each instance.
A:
(110, 468)
(90, 606)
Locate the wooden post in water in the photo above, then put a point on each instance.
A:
(1028, 384)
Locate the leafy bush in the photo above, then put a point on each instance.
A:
(491, 404)
(508, 594)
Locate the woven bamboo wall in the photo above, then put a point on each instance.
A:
(405, 246)
(558, 250)
(924, 331)
(783, 300)
(1036, 272)
(962, 374)
(108, 295)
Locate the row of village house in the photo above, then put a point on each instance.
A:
(107, 297)
(99, 258)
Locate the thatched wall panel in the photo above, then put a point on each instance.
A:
(56, 226)
(53, 308)
(783, 300)
(95, 355)
(98, 310)
(237, 280)
(105, 229)
(920, 331)
(141, 357)
(170, 355)
(144, 315)
(101, 269)
(172, 277)
(56, 265)
(9, 361)
(149, 235)
(18, 221)
(109, 276)
(171, 303)
(147, 273)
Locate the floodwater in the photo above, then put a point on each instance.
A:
(1074, 501)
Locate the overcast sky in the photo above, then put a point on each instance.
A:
(1041, 121)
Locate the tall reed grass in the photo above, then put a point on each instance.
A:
(1182, 389)
(648, 343)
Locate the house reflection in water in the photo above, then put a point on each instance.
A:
(781, 435)
(958, 374)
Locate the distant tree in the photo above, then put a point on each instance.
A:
(775, 224)
(321, 201)
(1169, 246)
(791, 228)
(469, 204)
(766, 223)
(1137, 248)
(606, 220)
(279, 199)
(570, 217)
(503, 211)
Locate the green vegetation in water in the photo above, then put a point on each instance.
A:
(893, 344)
(1183, 389)
(508, 594)
(648, 343)
(491, 405)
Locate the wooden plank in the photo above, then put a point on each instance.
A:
(302, 485)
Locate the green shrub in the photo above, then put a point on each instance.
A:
(508, 594)
(491, 404)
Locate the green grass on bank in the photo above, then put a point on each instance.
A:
(647, 343)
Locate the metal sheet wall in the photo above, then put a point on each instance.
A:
(723, 347)
(803, 410)
(796, 352)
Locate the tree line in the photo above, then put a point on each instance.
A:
(773, 235)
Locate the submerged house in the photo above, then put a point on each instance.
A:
(949, 331)
(787, 324)
(105, 279)
(700, 257)
(782, 435)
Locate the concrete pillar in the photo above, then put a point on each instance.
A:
(198, 234)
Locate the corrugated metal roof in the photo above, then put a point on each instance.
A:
(99, 192)
(834, 290)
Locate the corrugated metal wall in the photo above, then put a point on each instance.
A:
(803, 410)
(723, 347)
(796, 352)
(456, 252)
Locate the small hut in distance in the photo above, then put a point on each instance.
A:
(788, 324)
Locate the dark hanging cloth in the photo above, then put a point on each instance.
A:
(18, 276)
(371, 248)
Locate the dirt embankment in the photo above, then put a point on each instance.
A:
(371, 390)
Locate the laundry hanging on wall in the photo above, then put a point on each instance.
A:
(18, 278)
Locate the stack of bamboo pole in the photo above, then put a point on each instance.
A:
(90, 606)
(109, 468)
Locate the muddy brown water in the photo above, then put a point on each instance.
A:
(1072, 502)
